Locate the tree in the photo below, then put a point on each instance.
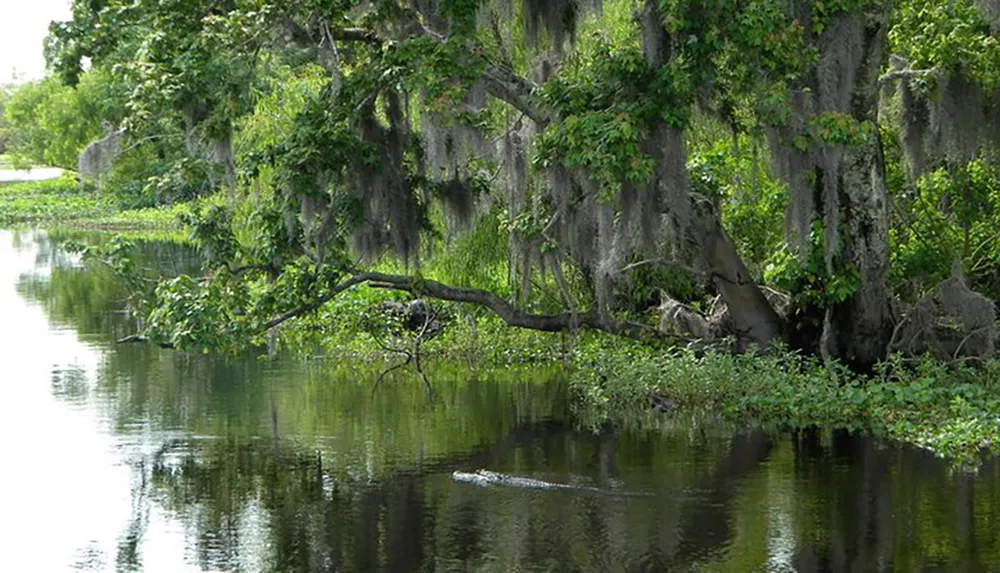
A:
(571, 115)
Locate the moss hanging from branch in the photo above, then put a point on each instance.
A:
(806, 150)
(558, 18)
(991, 11)
(390, 215)
(792, 161)
(914, 120)
(945, 116)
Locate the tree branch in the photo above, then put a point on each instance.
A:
(507, 312)
(355, 35)
(516, 91)
(135, 338)
(325, 54)
(501, 82)
(314, 305)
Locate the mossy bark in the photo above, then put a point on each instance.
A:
(842, 184)
(859, 328)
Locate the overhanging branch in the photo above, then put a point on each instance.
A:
(507, 312)
(427, 288)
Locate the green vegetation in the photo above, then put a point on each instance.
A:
(48, 123)
(651, 167)
(63, 203)
(47, 201)
(952, 410)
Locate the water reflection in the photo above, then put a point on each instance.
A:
(132, 458)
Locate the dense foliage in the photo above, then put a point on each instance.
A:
(571, 162)
(47, 123)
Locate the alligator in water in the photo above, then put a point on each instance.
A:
(487, 478)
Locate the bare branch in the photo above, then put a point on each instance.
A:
(505, 85)
(320, 301)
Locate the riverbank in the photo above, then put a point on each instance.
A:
(61, 203)
(952, 410)
(140, 429)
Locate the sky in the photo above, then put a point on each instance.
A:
(23, 26)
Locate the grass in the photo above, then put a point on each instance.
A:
(62, 203)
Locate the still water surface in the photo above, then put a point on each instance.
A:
(130, 458)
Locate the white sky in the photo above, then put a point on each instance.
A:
(23, 26)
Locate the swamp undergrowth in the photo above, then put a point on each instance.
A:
(951, 410)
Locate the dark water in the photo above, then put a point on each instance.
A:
(129, 458)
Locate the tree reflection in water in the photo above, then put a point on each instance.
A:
(855, 506)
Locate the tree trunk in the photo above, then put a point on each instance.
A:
(753, 318)
(694, 216)
(840, 180)
(860, 327)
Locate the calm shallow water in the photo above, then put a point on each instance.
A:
(129, 458)
(37, 174)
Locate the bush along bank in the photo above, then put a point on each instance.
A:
(952, 410)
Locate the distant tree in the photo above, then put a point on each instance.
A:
(4, 127)
(48, 123)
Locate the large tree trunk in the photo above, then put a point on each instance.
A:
(859, 328)
(841, 181)
(694, 216)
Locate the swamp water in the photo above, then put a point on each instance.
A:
(131, 458)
